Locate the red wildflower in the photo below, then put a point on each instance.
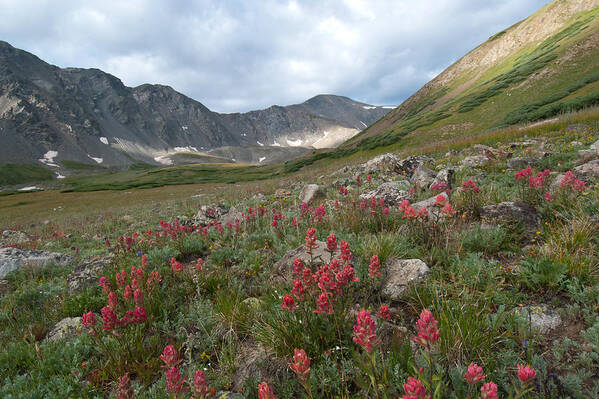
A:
(448, 210)
(346, 254)
(288, 303)
(138, 296)
(374, 268)
(470, 185)
(526, 374)
(264, 391)
(548, 197)
(170, 356)
(384, 312)
(144, 261)
(324, 304)
(474, 374)
(176, 266)
(199, 265)
(364, 331)
(414, 389)
(139, 316)
(523, 174)
(428, 333)
(88, 320)
(332, 243)
(298, 266)
(109, 318)
(127, 293)
(298, 290)
(440, 200)
(301, 364)
(112, 300)
(124, 391)
(311, 240)
(439, 186)
(105, 284)
(200, 387)
(488, 391)
(175, 381)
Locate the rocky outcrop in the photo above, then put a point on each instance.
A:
(423, 177)
(14, 258)
(521, 163)
(408, 165)
(541, 318)
(384, 162)
(511, 212)
(12, 237)
(88, 273)
(320, 255)
(587, 171)
(311, 193)
(65, 329)
(474, 161)
(393, 193)
(400, 273)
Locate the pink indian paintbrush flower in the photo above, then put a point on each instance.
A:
(112, 300)
(88, 320)
(311, 240)
(109, 318)
(488, 391)
(526, 374)
(199, 265)
(138, 296)
(124, 391)
(170, 356)
(200, 387)
(364, 331)
(474, 374)
(301, 364)
(332, 243)
(298, 290)
(175, 381)
(288, 303)
(324, 304)
(426, 326)
(374, 267)
(264, 391)
(384, 312)
(414, 389)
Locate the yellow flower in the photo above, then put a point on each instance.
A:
(538, 232)
(205, 356)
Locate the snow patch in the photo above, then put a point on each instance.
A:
(368, 107)
(184, 127)
(104, 140)
(259, 143)
(294, 143)
(275, 144)
(59, 176)
(30, 188)
(163, 159)
(233, 159)
(365, 125)
(186, 149)
(388, 107)
(48, 158)
(261, 159)
(98, 160)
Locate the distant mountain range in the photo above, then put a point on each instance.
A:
(54, 116)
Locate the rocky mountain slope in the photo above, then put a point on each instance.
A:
(533, 70)
(49, 115)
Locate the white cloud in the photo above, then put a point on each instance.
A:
(235, 56)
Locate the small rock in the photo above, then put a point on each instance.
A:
(589, 170)
(232, 216)
(385, 162)
(15, 258)
(320, 255)
(399, 274)
(429, 203)
(509, 212)
(4, 287)
(310, 193)
(391, 335)
(255, 362)
(65, 329)
(12, 237)
(541, 317)
(444, 176)
(521, 163)
(522, 144)
(253, 303)
(407, 165)
(209, 214)
(259, 197)
(588, 155)
(88, 273)
(578, 144)
(594, 146)
(475, 160)
(423, 177)
(393, 193)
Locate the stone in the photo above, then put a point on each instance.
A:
(523, 143)
(542, 318)
(393, 193)
(595, 145)
(232, 216)
(253, 303)
(12, 237)
(429, 203)
(320, 255)
(444, 176)
(509, 212)
(589, 170)
(209, 214)
(521, 163)
(588, 155)
(423, 177)
(282, 193)
(255, 362)
(259, 197)
(391, 335)
(311, 193)
(485, 150)
(400, 273)
(407, 165)
(474, 160)
(14, 258)
(555, 185)
(4, 287)
(65, 329)
(88, 273)
(384, 162)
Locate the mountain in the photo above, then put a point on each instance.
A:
(54, 116)
(542, 66)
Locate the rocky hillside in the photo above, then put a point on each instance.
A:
(538, 68)
(49, 115)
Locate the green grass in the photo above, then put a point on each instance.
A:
(11, 174)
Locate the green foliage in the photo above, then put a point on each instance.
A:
(488, 240)
(543, 274)
(11, 174)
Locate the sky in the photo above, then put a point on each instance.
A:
(239, 55)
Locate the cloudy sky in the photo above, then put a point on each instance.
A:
(237, 55)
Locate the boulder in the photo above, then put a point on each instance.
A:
(15, 258)
(12, 237)
(407, 165)
(232, 216)
(393, 193)
(284, 267)
(311, 193)
(88, 273)
(521, 163)
(4, 287)
(542, 318)
(589, 170)
(423, 177)
(428, 203)
(588, 155)
(595, 145)
(65, 329)
(209, 214)
(444, 176)
(391, 335)
(384, 162)
(509, 212)
(475, 160)
(255, 362)
(400, 273)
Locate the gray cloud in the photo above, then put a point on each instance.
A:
(235, 55)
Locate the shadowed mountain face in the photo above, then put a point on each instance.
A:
(49, 114)
(542, 66)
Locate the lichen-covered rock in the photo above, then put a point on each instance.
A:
(311, 193)
(542, 318)
(444, 176)
(320, 255)
(407, 165)
(88, 273)
(429, 203)
(393, 193)
(384, 162)
(400, 273)
(589, 170)
(15, 258)
(209, 214)
(475, 160)
(521, 163)
(65, 329)
(232, 216)
(510, 212)
(12, 237)
(423, 177)
(256, 362)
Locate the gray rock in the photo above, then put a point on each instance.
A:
(521, 163)
(589, 170)
(12, 237)
(541, 317)
(475, 160)
(555, 185)
(429, 203)
(88, 273)
(14, 258)
(284, 267)
(65, 329)
(444, 176)
(391, 192)
(4, 287)
(588, 155)
(423, 177)
(407, 165)
(232, 216)
(209, 214)
(595, 145)
(509, 212)
(523, 143)
(400, 273)
(391, 335)
(311, 193)
(384, 162)
(254, 361)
